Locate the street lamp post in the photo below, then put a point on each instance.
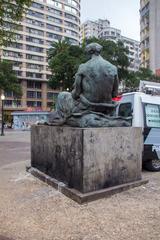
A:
(2, 124)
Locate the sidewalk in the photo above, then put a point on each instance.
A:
(32, 210)
(14, 147)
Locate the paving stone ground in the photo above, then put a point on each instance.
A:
(31, 210)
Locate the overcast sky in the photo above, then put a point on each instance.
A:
(123, 14)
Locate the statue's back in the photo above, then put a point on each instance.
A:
(98, 80)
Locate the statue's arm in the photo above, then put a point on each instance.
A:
(115, 86)
(77, 86)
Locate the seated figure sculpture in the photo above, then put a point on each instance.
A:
(90, 102)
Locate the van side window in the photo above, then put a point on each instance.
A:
(152, 113)
(125, 110)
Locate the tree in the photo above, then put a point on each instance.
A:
(132, 79)
(57, 48)
(11, 12)
(64, 60)
(8, 79)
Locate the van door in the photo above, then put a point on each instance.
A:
(151, 153)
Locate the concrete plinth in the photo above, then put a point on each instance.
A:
(88, 159)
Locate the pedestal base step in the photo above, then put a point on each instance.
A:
(83, 197)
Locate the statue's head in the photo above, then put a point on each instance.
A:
(93, 48)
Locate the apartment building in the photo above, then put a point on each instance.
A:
(102, 29)
(150, 34)
(45, 21)
(93, 28)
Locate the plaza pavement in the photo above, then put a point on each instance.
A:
(32, 210)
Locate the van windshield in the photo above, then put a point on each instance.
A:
(152, 115)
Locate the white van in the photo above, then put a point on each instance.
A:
(144, 107)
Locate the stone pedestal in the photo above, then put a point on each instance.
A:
(88, 159)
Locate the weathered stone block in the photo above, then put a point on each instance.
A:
(88, 159)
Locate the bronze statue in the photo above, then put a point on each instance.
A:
(90, 102)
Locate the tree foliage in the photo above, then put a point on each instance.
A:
(132, 79)
(11, 12)
(8, 79)
(64, 60)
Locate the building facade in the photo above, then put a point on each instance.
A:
(102, 29)
(150, 34)
(93, 28)
(45, 21)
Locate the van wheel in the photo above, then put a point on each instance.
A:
(152, 165)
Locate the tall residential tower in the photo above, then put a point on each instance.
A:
(45, 21)
(150, 34)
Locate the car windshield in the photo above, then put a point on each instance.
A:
(152, 115)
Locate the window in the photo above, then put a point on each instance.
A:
(152, 114)
(70, 9)
(69, 24)
(35, 14)
(37, 5)
(34, 75)
(53, 36)
(38, 85)
(39, 94)
(17, 64)
(8, 102)
(32, 94)
(34, 49)
(72, 2)
(12, 103)
(12, 54)
(55, 3)
(56, 12)
(34, 31)
(54, 28)
(18, 37)
(18, 73)
(34, 40)
(32, 84)
(35, 58)
(69, 16)
(125, 110)
(39, 104)
(31, 104)
(71, 32)
(35, 66)
(34, 22)
(34, 104)
(52, 19)
(15, 45)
